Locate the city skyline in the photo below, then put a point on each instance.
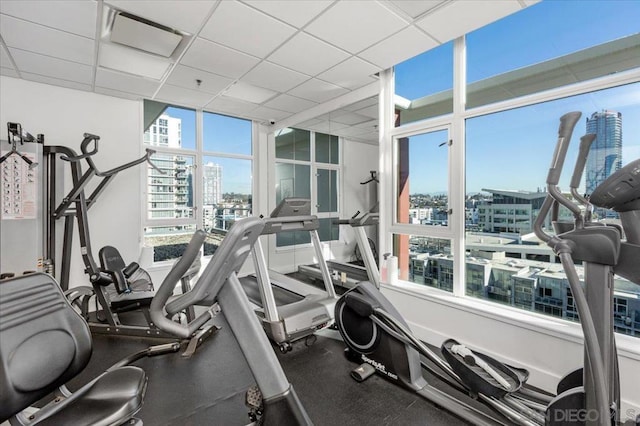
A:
(520, 142)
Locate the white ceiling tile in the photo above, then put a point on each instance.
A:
(5, 62)
(307, 55)
(249, 93)
(362, 104)
(117, 93)
(353, 131)
(181, 15)
(9, 72)
(318, 91)
(186, 77)
(415, 8)
(290, 103)
(265, 113)
(125, 82)
(368, 125)
(47, 41)
(327, 127)
(297, 13)
(461, 17)
(240, 27)
(55, 81)
(56, 14)
(217, 59)
(371, 111)
(51, 67)
(182, 96)
(355, 25)
(349, 118)
(351, 74)
(308, 123)
(227, 105)
(132, 61)
(274, 77)
(398, 48)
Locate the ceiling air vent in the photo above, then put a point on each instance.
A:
(145, 35)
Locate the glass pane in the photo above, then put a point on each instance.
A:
(423, 170)
(426, 81)
(425, 260)
(168, 242)
(175, 128)
(507, 161)
(170, 194)
(560, 52)
(327, 148)
(329, 230)
(293, 144)
(226, 191)
(327, 190)
(284, 239)
(226, 134)
(292, 180)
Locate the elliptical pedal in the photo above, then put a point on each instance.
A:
(253, 400)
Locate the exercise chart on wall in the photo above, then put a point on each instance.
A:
(19, 188)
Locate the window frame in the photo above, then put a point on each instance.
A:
(457, 119)
(198, 154)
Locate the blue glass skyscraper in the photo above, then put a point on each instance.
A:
(605, 155)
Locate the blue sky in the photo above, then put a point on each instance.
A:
(513, 150)
(222, 134)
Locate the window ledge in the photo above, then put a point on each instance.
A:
(627, 346)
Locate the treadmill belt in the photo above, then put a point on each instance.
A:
(282, 296)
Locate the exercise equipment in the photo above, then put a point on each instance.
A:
(350, 274)
(218, 288)
(120, 290)
(44, 343)
(376, 334)
(299, 319)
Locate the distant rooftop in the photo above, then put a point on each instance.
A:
(527, 195)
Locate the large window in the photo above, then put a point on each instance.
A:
(201, 180)
(301, 155)
(503, 126)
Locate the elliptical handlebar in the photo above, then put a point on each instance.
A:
(87, 153)
(159, 302)
(583, 153)
(567, 124)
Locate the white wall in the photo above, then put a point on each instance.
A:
(63, 115)
(547, 347)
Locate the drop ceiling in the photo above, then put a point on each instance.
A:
(257, 59)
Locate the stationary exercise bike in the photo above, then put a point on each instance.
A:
(380, 340)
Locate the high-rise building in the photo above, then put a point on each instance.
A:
(211, 184)
(169, 194)
(605, 155)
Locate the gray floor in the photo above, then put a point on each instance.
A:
(209, 388)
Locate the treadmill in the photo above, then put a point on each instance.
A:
(346, 274)
(290, 310)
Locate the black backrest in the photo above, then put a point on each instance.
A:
(43, 341)
(112, 263)
(110, 259)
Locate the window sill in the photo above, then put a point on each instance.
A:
(627, 346)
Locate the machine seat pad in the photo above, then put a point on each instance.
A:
(114, 396)
(143, 298)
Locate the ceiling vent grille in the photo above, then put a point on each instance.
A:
(144, 35)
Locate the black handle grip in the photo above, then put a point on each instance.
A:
(583, 153)
(567, 123)
(359, 304)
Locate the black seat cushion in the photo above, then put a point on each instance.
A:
(43, 342)
(114, 396)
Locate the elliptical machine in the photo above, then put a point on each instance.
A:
(377, 337)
